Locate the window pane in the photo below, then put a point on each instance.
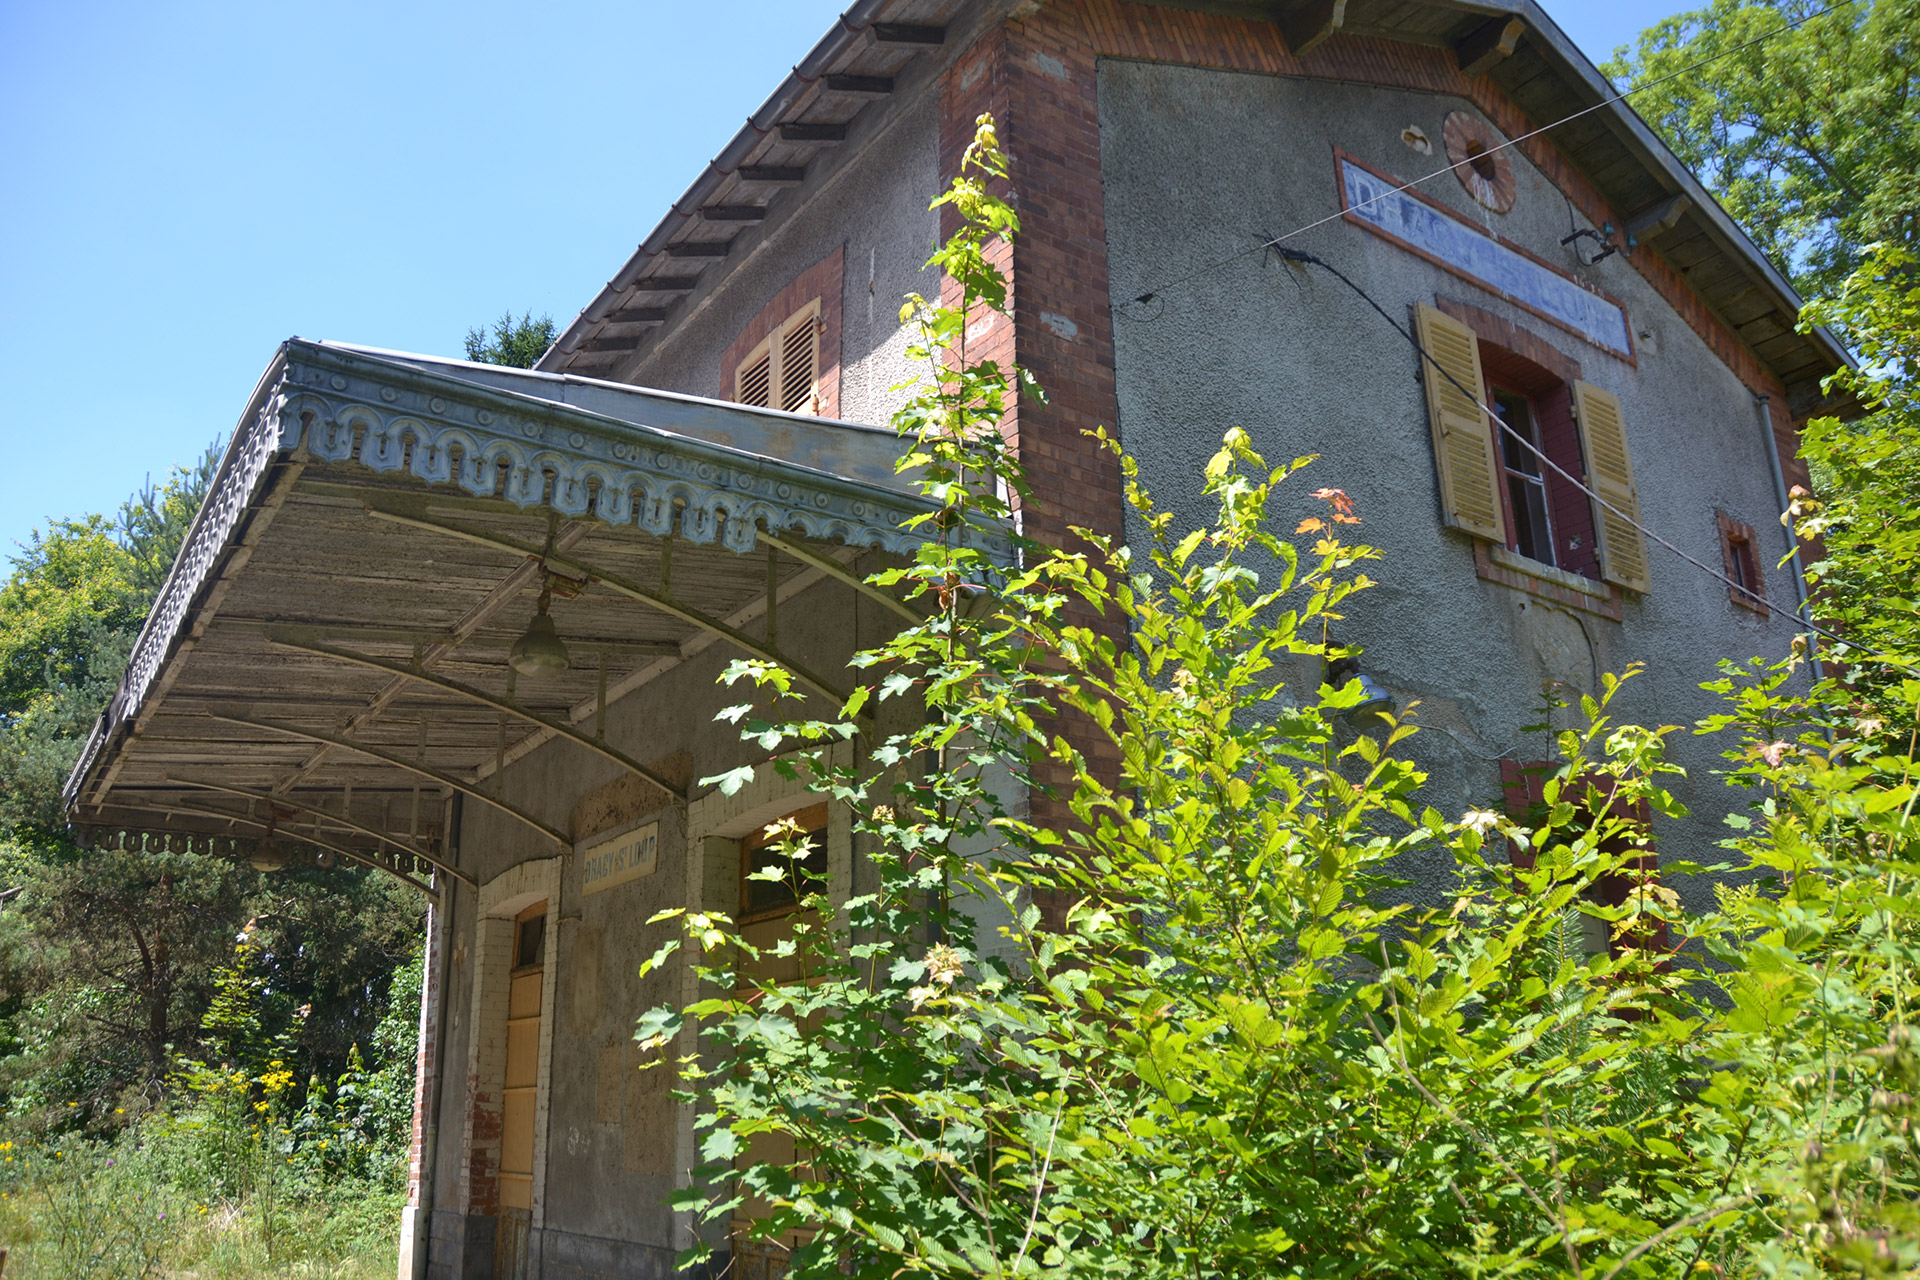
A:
(1514, 412)
(530, 944)
(1532, 534)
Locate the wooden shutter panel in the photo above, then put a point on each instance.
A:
(799, 350)
(1462, 435)
(1603, 441)
(754, 383)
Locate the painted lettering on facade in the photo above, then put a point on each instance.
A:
(625, 857)
(1399, 216)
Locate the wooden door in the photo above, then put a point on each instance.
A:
(520, 1089)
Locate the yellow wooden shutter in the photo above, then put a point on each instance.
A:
(753, 381)
(799, 351)
(1470, 474)
(1603, 439)
(784, 371)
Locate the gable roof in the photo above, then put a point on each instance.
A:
(880, 48)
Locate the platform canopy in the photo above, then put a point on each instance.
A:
(327, 663)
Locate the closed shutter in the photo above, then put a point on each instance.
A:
(784, 371)
(799, 348)
(1603, 441)
(1462, 434)
(754, 383)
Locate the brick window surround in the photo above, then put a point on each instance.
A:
(500, 900)
(825, 281)
(1740, 560)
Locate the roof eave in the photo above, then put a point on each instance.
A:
(846, 29)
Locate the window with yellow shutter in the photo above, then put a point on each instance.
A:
(783, 372)
(1532, 519)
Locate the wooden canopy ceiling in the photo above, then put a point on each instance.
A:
(328, 662)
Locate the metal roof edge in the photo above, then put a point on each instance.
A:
(194, 560)
(680, 440)
(415, 359)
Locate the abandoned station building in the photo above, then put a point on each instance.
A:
(700, 469)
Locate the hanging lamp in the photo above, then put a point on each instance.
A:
(540, 652)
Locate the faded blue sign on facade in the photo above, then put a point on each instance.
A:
(1473, 253)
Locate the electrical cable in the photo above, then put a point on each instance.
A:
(1150, 294)
(1302, 256)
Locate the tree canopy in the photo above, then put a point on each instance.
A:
(1809, 137)
(108, 960)
(518, 343)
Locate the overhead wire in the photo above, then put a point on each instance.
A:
(1305, 258)
(1150, 294)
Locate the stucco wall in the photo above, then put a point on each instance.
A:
(1200, 164)
(874, 204)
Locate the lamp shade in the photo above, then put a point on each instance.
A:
(539, 652)
(268, 855)
(1373, 699)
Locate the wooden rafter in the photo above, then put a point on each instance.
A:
(509, 589)
(838, 572)
(614, 582)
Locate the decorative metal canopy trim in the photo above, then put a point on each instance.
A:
(302, 837)
(540, 453)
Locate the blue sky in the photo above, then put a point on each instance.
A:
(186, 184)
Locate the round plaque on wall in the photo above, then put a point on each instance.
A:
(1474, 150)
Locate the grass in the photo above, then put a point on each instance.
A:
(103, 1214)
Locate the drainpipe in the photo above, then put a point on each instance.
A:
(1763, 406)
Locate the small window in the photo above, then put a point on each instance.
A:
(530, 938)
(763, 850)
(1531, 530)
(784, 371)
(1741, 558)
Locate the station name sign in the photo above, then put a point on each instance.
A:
(626, 856)
(1444, 239)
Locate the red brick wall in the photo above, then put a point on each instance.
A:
(825, 280)
(427, 1058)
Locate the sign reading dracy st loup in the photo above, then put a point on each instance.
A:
(620, 858)
(1383, 208)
